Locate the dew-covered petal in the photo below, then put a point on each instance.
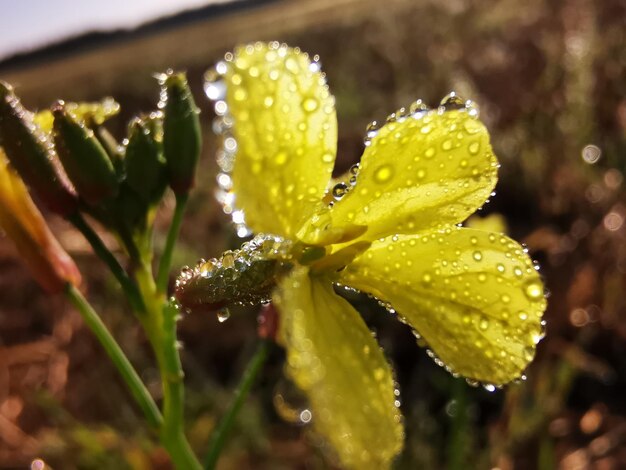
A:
(334, 359)
(475, 297)
(285, 129)
(421, 172)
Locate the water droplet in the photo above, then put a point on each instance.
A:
(328, 158)
(483, 324)
(310, 105)
(383, 174)
(228, 260)
(372, 127)
(474, 147)
(223, 315)
(339, 190)
(280, 158)
(418, 107)
(452, 101)
(533, 291)
(472, 108)
(591, 154)
(215, 90)
(402, 113)
(477, 255)
(240, 94)
(306, 416)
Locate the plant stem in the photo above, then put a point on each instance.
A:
(160, 326)
(128, 286)
(221, 433)
(117, 356)
(172, 236)
(457, 442)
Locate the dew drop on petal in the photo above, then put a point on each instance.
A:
(310, 105)
(328, 158)
(474, 147)
(533, 291)
(339, 190)
(418, 107)
(452, 101)
(383, 174)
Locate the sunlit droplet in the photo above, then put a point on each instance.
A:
(223, 315)
(591, 153)
(534, 291)
(310, 105)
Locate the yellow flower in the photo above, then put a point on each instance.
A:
(391, 230)
(48, 262)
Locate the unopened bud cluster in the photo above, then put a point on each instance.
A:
(69, 159)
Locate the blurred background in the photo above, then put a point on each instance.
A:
(550, 79)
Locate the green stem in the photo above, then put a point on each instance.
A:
(128, 286)
(117, 356)
(457, 443)
(221, 433)
(160, 326)
(172, 236)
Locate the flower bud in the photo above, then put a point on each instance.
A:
(145, 164)
(83, 157)
(242, 277)
(50, 265)
(182, 137)
(32, 155)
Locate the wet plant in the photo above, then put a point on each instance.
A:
(391, 227)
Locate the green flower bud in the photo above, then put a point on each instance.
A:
(182, 137)
(32, 154)
(83, 157)
(146, 171)
(240, 277)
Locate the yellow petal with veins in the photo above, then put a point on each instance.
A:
(473, 296)
(286, 132)
(420, 173)
(333, 358)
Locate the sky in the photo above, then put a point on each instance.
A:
(30, 24)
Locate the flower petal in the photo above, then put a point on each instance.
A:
(333, 358)
(422, 172)
(473, 296)
(286, 135)
(48, 262)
